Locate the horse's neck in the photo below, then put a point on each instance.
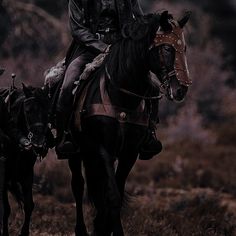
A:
(16, 101)
(130, 73)
(127, 73)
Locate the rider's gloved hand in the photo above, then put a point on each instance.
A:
(25, 144)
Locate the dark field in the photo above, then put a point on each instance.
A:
(187, 191)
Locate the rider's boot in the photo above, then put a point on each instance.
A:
(64, 140)
(151, 146)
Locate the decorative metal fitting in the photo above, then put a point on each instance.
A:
(30, 135)
(123, 115)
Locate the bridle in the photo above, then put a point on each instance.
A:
(165, 87)
(174, 38)
(129, 92)
(29, 126)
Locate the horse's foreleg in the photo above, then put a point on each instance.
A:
(96, 183)
(115, 201)
(105, 194)
(7, 212)
(2, 183)
(125, 164)
(77, 185)
(28, 204)
(4, 203)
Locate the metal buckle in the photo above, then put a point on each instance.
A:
(107, 30)
(98, 36)
(30, 136)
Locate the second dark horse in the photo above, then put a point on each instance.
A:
(28, 108)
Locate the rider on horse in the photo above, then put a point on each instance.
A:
(94, 26)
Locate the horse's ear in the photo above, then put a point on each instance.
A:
(184, 19)
(164, 21)
(27, 91)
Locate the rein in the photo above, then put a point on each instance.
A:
(165, 85)
(129, 92)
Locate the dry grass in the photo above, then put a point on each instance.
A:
(183, 192)
(166, 213)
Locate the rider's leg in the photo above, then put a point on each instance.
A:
(65, 101)
(152, 146)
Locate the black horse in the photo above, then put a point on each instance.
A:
(112, 109)
(112, 112)
(28, 108)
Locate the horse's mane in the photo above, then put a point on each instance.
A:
(137, 37)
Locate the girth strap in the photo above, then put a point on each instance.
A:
(122, 115)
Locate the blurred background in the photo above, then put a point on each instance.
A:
(190, 188)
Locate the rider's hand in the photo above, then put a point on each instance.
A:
(25, 144)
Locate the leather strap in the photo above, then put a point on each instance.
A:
(82, 93)
(122, 115)
(139, 116)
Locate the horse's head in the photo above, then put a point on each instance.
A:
(167, 56)
(36, 106)
(155, 43)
